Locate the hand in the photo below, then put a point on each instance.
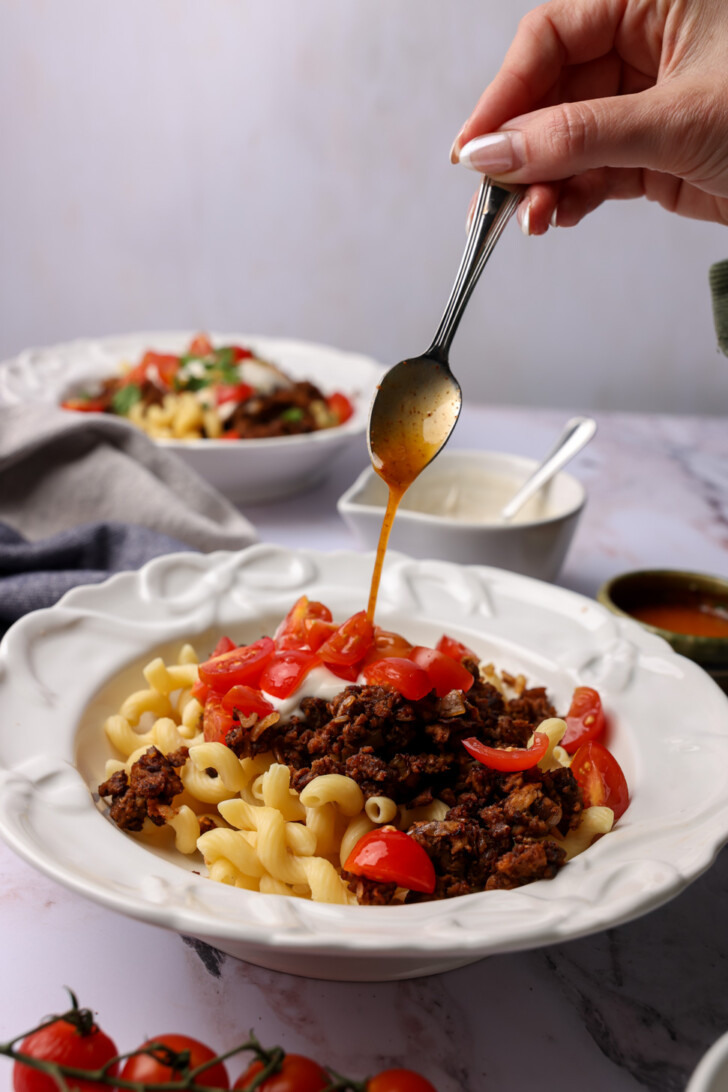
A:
(600, 99)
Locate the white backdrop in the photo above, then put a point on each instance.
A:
(281, 167)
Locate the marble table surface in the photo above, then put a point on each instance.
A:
(631, 1008)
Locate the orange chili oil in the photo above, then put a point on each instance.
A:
(697, 618)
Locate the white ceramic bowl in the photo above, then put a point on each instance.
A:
(63, 670)
(451, 512)
(711, 1075)
(246, 471)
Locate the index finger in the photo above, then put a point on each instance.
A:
(549, 38)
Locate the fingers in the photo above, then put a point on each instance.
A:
(549, 38)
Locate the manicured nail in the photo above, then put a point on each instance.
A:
(525, 217)
(454, 151)
(554, 217)
(495, 153)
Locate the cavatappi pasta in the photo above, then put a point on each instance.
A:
(242, 816)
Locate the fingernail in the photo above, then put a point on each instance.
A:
(494, 153)
(554, 217)
(525, 217)
(454, 151)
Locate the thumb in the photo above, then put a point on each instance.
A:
(658, 129)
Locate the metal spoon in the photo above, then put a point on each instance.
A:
(418, 401)
(577, 433)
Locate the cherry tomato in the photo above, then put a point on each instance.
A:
(78, 1044)
(456, 649)
(318, 631)
(445, 673)
(225, 644)
(297, 1074)
(291, 633)
(165, 365)
(391, 856)
(508, 759)
(585, 719)
(240, 665)
(348, 674)
(232, 392)
(285, 671)
(149, 1069)
(600, 778)
(216, 719)
(239, 353)
(399, 1080)
(340, 406)
(387, 643)
(84, 405)
(246, 700)
(351, 642)
(408, 678)
(231, 434)
(200, 346)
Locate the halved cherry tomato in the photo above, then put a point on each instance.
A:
(149, 1069)
(456, 649)
(317, 631)
(391, 856)
(241, 665)
(246, 700)
(351, 642)
(445, 673)
(600, 778)
(348, 674)
(291, 633)
(200, 690)
(297, 1074)
(399, 1080)
(231, 434)
(216, 719)
(387, 643)
(225, 644)
(404, 676)
(77, 1043)
(239, 353)
(340, 406)
(585, 719)
(508, 759)
(285, 671)
(84, 405)
(200, 346)
(232, 392)
(165, 364)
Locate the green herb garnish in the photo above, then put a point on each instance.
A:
(293, 413)
(125, 398)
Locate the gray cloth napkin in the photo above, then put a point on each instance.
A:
(60, 469)
(85, 496)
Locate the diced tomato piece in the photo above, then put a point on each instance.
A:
(84, 405)
(585, 719)
(351, 642)
(200, 346)
(241, 665)
(231, 434)
(317, 631)
(387, 643)
(216, 719)
(232, 392)
(348, 674)
(445, 673)
(166, 366)
(508, 759)
(456, 649)
(291, 633)
(225, 644)
(200, 690)
(247, 700)
(600, 778)
(391, 856)
(340, 406)
(408, 678)
(239, 353)
(285, 671)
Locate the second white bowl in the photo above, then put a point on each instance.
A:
(452, 512)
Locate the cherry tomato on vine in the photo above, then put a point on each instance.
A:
(408, 678)
(445, 673)
(585, 719)
(297, 1074)
(399, 1080)
(508, 759)
(391, 856)
(75, 1042)
(600, 778)
(151, 1070)
(242, 665)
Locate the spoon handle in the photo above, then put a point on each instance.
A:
(577, 432)
(493, 209)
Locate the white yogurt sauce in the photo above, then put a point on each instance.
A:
(319, 683)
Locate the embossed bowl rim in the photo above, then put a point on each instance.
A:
(668, 729)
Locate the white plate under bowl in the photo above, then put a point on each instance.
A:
(246, 471)
(63, 670)
(711, 1074)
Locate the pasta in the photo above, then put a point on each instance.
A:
(240, 811)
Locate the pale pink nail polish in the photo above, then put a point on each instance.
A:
(496, 153)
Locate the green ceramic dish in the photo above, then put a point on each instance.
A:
(631, 592)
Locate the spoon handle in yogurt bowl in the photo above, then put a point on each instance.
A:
(494, 207)
(578, 431)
